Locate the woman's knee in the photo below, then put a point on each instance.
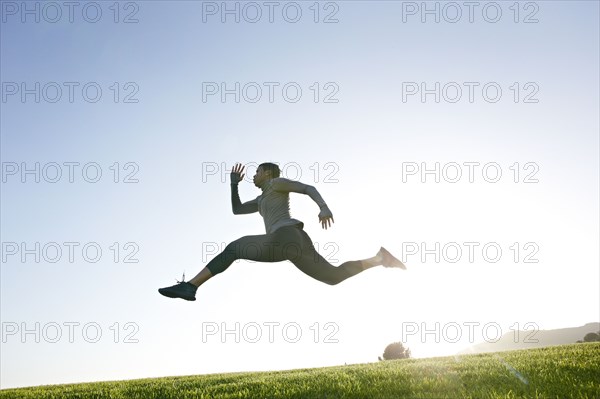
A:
(333, 280)
(232, 250)
(327, 278)
(251, 248)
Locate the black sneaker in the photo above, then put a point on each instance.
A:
(182, 289)
(390, 260)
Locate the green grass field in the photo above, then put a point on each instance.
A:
(567, 371)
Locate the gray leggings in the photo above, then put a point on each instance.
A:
(286, 243)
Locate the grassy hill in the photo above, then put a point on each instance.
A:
(567, 371)
(530, 339)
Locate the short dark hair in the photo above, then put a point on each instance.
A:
(270, 167)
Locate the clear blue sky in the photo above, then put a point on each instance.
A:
(168, 134)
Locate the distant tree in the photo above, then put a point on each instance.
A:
(395, 350)
(591, 337)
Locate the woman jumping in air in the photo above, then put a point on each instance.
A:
(285, 238)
